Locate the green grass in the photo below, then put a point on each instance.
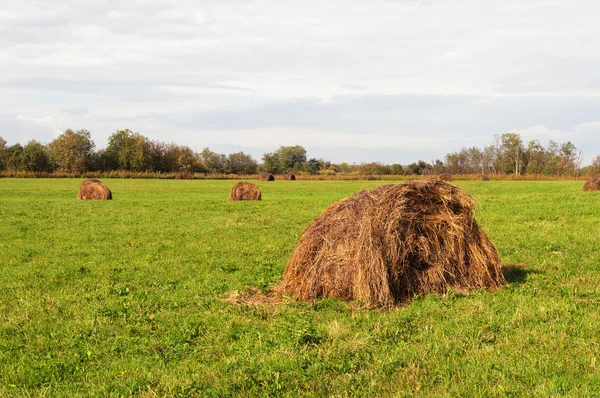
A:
(129, 297)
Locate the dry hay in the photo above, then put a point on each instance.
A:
(183, 175)
(592, 184)
(289, 177)
(446, 177)
(483, 177)
(93, 189)
(385, 245)
(245, 191)
(266, 177)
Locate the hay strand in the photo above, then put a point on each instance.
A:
(245, 191)
(93, 189)
(592, 184)
(385, 245)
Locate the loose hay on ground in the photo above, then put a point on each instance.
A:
(592, 184)
(245, 191)
(446, 177)
(93, 189)
(386, 245)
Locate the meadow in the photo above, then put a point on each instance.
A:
(150, 294)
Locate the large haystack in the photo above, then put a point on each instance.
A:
(93, 189)
(289, 177)
(592, 184)
(388, 244)
(483, 177)
(245, 191)
(266, 177)
(446, 177)
(183, 175)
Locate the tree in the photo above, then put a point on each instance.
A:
(71, 151)
(212, 161)
(3, 154)
(285, 159)
(13, 157)
(34, 157)
(512, 153)
(535, 154)
(241, 163)
(129, 151)
(270, 164)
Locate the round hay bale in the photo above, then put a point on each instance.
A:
(370, 178)
(93, 189)
(183, 175)
(483, 177)
(385, 245)
(266, 177)
(290, 177)
(245, 191)
(592, 184)
(446, 177)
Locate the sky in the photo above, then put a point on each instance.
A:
(393, 81)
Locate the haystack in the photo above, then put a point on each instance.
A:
(592, 184)
(266, 177)
(483, 177)
(289, 177)
(446, 177)
(385, 245)
(93, 189)
(245, 191)
(183, 175)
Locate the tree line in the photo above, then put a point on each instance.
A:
(75, 152)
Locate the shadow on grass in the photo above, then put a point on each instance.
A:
(517, 273)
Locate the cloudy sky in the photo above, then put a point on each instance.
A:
(353, 80)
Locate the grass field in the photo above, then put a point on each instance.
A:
(133, 297)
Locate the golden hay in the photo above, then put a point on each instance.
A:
(483, 177)
(183, 175)
(266, 177)
(592, 184)
(93, 189)
(245, 191)
(289, 177)
(385, 245)
(446, 177)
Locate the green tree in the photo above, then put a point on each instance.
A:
(3, 154)
(536, 157)
(512, 159)
(127, 150)
(13, 157)
(212, 161)
(285, 159)
(72, 150)
(270, 164)
(35, 157)
(241, 163)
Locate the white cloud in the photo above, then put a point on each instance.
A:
(453, 72)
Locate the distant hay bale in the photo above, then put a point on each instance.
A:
(183, 175)
(289, 177)
(245, 191)
(266, 177)
(483, 177)
(385, 245)
(446, 177)
(93, 189)
(370, 178)
(592, 184)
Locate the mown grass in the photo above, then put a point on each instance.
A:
(131, 297)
